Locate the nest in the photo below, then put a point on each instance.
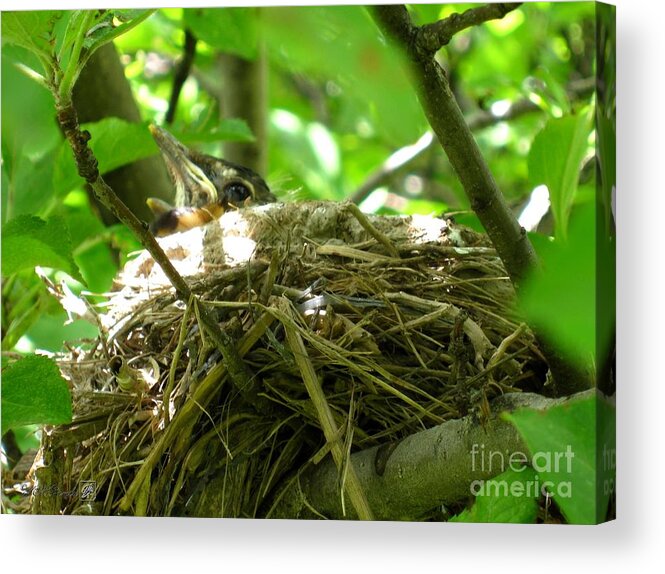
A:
(350, 331)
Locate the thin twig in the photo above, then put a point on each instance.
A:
(432, 37)
(88, 170)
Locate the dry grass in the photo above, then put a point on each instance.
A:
(347, 344)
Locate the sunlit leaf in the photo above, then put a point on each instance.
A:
(232, 129)
(555, 159)
(28, 119)
(425, 13)
(112, 24)
(91, 249)
(34, 392)
(340, 47)
(30, 29)
(27, 437)
(97, 266)
(32, 192)
(313, 154)
(49, 332)
(115, 142)
(424, 207)
(606, 157)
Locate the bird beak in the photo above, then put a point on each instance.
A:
(193, 187)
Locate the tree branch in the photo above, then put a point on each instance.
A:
(88, 170)
(427, 469)
(447, 121)
(181, 74)
(487, 201)
(432, 37)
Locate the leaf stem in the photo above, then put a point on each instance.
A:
(74, 66)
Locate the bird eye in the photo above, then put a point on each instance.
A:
(237, 192)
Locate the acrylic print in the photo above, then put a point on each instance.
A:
(320, 262)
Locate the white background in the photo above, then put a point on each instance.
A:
(634, 540)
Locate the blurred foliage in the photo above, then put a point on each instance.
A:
(340, 103)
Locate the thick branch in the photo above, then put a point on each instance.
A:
(432, 37)
(447, 121)
(487, 201)
(425, 470)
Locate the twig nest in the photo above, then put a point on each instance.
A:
(352, 328)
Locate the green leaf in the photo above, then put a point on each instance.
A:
(33, 192)
(425, 13)
(27, 437)
(97, 266)
(606, 157)
(29, 125)
(572, 447)
(106, 29)
(424, 207)
(550, 94)
(25, 299)
(232, 30)
(313, 153)
(34, 392)
(510, 498)
(555, 159)
(114, 142)
(31, 29)
(29, 137)
(569, 301)
(67, 33)
(28, 241)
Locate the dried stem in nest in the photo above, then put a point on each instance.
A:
(349, 349)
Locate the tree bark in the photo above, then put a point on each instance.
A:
(244, 96)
